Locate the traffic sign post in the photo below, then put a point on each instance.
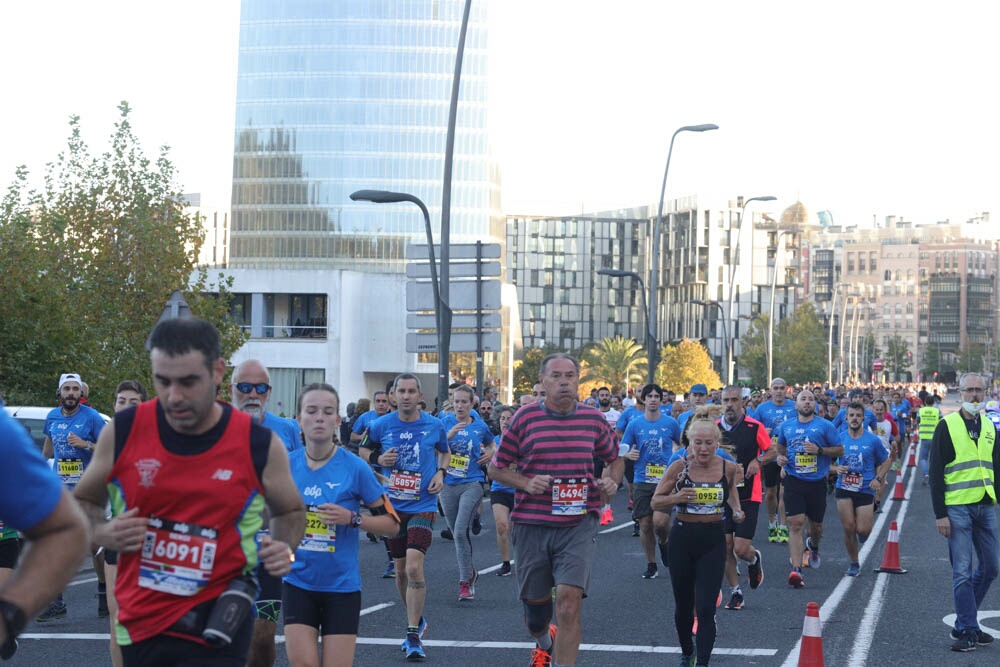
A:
(473, 301)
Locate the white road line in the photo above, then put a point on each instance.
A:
(866, 630)
(829, 606)
(81, 581)
(493, 568)
(377, 607)
(614, 528)
(447, 643)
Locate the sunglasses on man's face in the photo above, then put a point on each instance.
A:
(245, 387)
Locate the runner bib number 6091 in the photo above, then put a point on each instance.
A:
(177, 558)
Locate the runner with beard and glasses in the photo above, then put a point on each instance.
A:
(71, 433)
(251, 390)
(751, 447)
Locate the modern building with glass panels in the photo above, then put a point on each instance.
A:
(334, 97)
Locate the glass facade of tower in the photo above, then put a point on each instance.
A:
(334, 97)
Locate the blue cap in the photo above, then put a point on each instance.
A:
(699, 389)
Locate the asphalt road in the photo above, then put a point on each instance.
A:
(874, 619)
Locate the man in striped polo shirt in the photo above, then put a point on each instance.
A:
(557, 502)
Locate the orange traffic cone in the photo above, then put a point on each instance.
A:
(897, 492)
(890, 561)
(811, 650)
(912, 463)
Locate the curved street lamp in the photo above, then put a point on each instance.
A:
(654, 272)
(734, 261)
(651, 345)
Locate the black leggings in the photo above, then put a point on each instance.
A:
(697, 554)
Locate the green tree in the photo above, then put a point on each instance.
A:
(685, 364)
(898, 358)
(800, 347)
(87, 262)
(526, 369)
(618, 362)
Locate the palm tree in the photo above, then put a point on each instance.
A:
(617, 362)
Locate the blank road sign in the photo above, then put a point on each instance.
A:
(460, 342)
(462, 296)
(455, 251)
(458, 321)
(456, 270)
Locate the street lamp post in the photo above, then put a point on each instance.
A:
(829, 343)
(651, 345)
(770, 315)
(442, 312)
(654, 272)
(726, 342)
(734, 260)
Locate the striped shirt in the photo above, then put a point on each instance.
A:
(541, 442)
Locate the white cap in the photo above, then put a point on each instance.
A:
(69, 377)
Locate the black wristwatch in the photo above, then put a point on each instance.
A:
(355, 519)
(15, 620)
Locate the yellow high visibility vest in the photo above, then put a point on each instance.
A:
(929, 418)
(971, 473)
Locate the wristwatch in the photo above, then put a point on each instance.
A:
(15, 620)
(355, 519)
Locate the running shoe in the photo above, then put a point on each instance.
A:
(446, 534)
(982, 638)
(966, 642)
(772, 533)
(390, 570)
(635, 529)
(371, 537)
(504, 570)
(477, 524)
(783, 534)
(735, 601)
(664, 553)
(896, 466)
(854, 570)
(814, 559)
(631, 505)
(539, 656)
(465, 591)
(925, 480)
(795, 579)
(687, 660)
(607, 517)
(421, 628)
(55, 611)
(473, 580)
(650, 572)
(718, 599)
(755, 571)
(414, 649)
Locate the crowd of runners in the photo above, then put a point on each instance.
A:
(215, 520)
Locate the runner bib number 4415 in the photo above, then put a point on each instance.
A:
(177, 558)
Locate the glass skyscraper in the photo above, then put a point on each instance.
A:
(335, 96)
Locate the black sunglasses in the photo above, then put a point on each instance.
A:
(245, 387)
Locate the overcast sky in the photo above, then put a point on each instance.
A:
(865, 109)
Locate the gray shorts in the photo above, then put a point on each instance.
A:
(642, 495)
(546, 556)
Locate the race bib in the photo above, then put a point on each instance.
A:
(569, 497)
(805, 463)
(654, 472)
(318, 536)
(69, 470)
(177, 558)
(458, 465)
(404, 485)
(851, 481)
(707, 501)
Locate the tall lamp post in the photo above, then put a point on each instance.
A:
(654, 272)
(734, 260)
(442, 312)
(651, 345)
(829, 342)
(770, 315)
(726, 342)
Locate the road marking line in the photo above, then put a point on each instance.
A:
(377, 607)
(81, 581)
(829, 606)
(493, 568)
(445, 643)
(866, 630)
(614, 528)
